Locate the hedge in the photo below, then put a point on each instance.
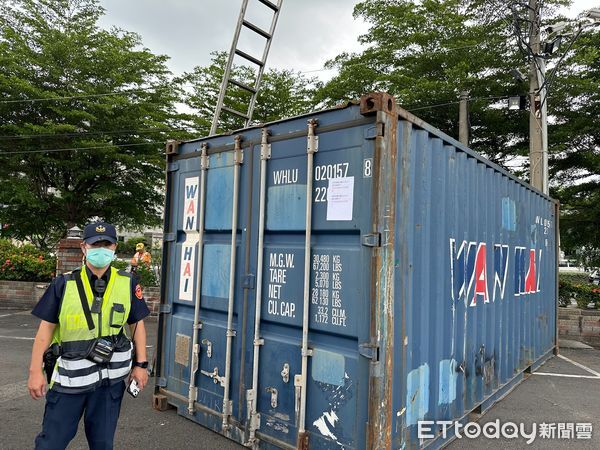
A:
(25, 263)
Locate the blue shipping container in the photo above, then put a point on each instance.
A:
(418, 282)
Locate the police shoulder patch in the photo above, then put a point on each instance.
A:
(138, 292)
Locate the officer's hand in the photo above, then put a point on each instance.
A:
(37, 384)
(140, 376)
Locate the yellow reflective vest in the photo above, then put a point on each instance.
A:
(73, 372)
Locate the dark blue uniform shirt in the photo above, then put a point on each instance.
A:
(48, 307)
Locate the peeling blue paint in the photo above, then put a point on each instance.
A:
(417, 394)
(448, 377)
(328, 367)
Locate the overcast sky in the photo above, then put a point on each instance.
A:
(309, 32)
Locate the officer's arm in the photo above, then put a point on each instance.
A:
(37, 380)
(138, 330)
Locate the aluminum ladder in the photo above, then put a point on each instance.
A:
(260, 63)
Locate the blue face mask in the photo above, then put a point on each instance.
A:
(100, 257)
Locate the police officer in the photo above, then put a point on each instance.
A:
(84, 322)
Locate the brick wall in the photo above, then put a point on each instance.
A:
(68, 255)
(152, 297)
(20, 294)
(25, 294)
(579, 324)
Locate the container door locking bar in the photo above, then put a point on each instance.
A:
(251, 401)
(196, 326)
(238, 156)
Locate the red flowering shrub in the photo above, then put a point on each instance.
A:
(25, 263)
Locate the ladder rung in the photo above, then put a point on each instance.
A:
(243, 86)
(256, 29)
(258, 62)
(271, 5)
(235, 113)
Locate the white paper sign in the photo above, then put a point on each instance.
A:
(340, 198)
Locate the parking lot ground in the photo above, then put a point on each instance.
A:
(569, 392)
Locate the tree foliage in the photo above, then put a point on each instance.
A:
(67, 84)
(427, 52)
(575, 144)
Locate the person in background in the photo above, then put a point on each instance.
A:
(141, 256)
(89, 320)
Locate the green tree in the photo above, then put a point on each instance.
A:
(575, 147)
(425, 53)
(67, 84)
(283, 93)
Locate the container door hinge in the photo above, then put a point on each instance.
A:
(374, 131)
(368, 350)
(161, 382)
(173, 167)
(165, 309)
(249, 281)
(371, 240)
(169, 237)
(227, 407)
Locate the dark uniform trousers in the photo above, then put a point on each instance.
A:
(100, 409)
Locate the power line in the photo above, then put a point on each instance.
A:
(56, 150)
(71, 97)
(87, 133)
(481, 44)
(438, 105)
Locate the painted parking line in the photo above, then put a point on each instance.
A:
(15, 314)
(590, 377)
(595, 375)
(581, 366)
(17, 337)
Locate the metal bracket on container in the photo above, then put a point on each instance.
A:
(313, 139)
(215, 376)
(204, 159)
(173, 167)
(165, 309)
(285, 373)
(161, 382)
(169, 237)
(368, 350)
(238, 153)
(208, 347)
(249, 281)
(371, 240)
(265, 147)
(227, 407)
(273, 393)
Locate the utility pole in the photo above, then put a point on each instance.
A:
(538, 120)
(463, 118)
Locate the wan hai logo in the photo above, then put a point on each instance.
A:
(470, 272)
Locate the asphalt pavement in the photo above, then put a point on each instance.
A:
(140, 426)
(568, 393)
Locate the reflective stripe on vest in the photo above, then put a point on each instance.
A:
(75, 338)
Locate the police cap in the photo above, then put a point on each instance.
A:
(99, 231)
